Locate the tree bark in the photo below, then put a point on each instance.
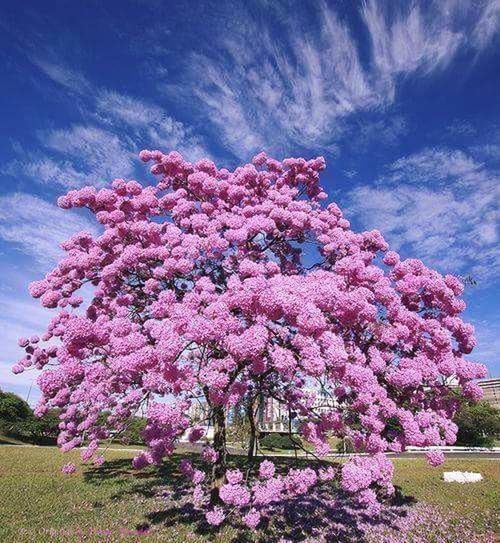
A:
(219, 466)
(252, 441)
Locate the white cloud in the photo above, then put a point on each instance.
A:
(409, 41)
(20, 316)
(37, 227)
(488, 24)
(130, 110)
(260, 92)
(152, 126)
(106, 147)
(72, 80)
(101, 154)
(46, 170)
(296, 88)
(385, 131)
(438, 205)
(76, 156)
(461, 127)
(437, 165)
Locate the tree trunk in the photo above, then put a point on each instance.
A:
(252, 441)
(219, 466)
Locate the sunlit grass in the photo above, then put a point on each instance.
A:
(115, 503)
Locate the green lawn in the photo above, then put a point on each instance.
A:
(111, 503)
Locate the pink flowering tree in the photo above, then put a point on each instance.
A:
(226, 287)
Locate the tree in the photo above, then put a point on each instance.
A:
(478, 424)
(228, 286)
(41, 430)
(17, 419)
(133, 433)
(13, 411)
(239, 428)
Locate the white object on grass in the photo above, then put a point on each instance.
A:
(461, 477)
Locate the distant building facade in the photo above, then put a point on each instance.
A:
(491, 391)
(272, 416)
(275, 417)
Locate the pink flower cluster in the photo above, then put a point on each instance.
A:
(253, 500)
(363, 472)
(435, 458)
(68, 468)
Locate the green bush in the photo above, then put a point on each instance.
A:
(14, 411)
(40, 430)
(478, 424)
(18, 420)
(279, 441)
(133, 434)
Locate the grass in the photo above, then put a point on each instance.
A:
(479, 501)
(115, 504)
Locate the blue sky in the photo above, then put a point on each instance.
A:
(402, 99)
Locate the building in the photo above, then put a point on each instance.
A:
(274, 416)
(491, 391)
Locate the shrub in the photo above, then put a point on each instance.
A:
(478, 424)
(279, 441)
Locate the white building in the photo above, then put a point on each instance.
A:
(491, 390)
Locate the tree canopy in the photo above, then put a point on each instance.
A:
(478, 424)
(13, 410)
(225, 287)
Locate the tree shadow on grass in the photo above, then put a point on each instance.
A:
(323, 515)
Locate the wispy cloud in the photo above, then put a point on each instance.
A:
(384, 132)
(63, 75)
(262, 92)
(440, 204)
(37, 227)
(461, 127)
(76, 156)
(149, 122)
(438, 165)
(409, 41)
(99, 153)
(20, 316)
(487, 25)
(295, 90)
(105, 146)
(45, 170)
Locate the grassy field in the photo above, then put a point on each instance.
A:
(113, 503)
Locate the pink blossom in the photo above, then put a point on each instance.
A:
(210, 455)
(198, 476)
(196, 434)
(252, 518)
(266, 469)
(234, 494)
(434, 457)
(99, 460)
(215, 516)
(234, 476)
(68, 468)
